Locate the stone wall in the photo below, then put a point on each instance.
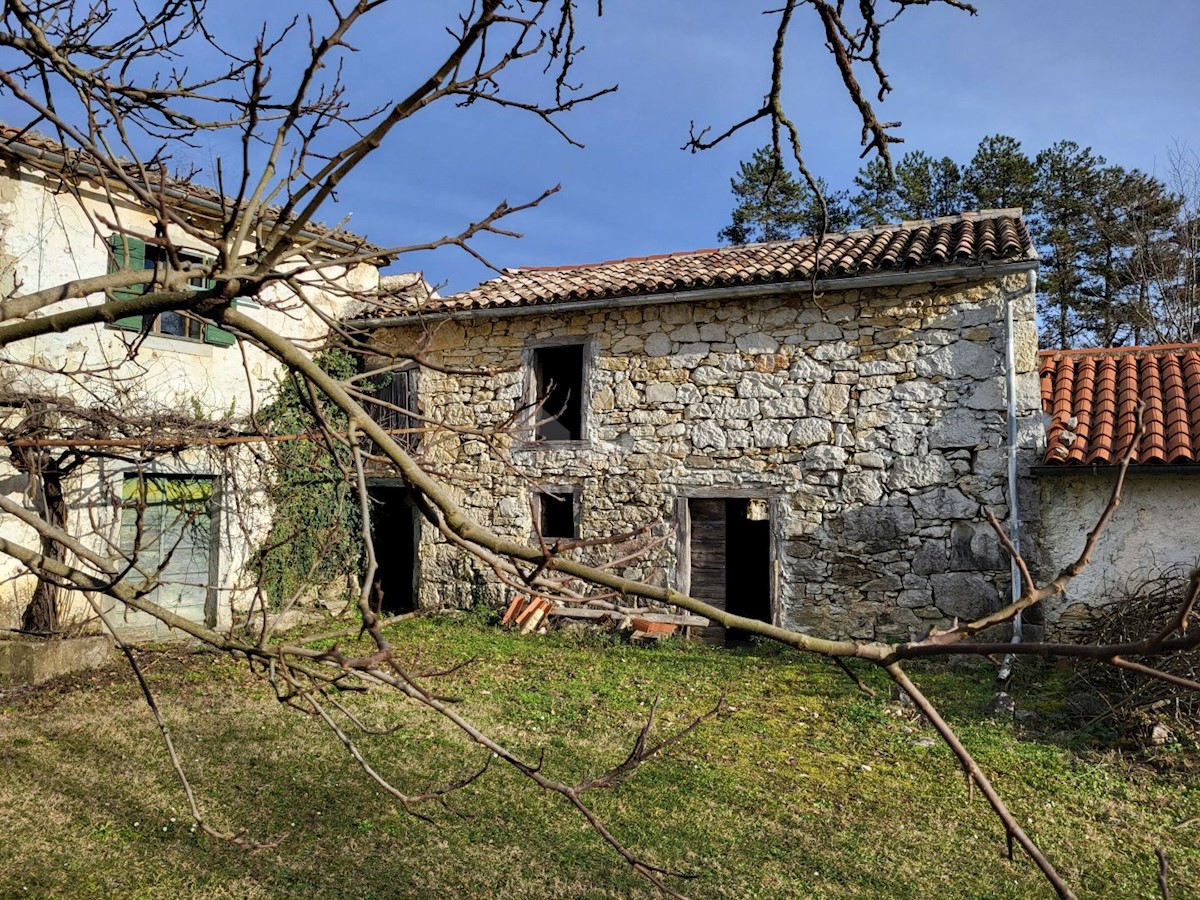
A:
(1154, 529)
(874, 420)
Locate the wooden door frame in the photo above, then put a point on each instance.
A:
(776, 517)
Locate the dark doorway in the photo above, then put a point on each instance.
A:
(395, 531)
(730, 546)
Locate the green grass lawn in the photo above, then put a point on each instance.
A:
(801, 787)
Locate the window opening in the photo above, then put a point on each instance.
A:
(559, 386)
(167, 532)
(396, 411)
(133, 253)
(557, 515)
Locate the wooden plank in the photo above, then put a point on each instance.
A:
(517, 605)
(539, 606)
(683, 621)
(708, 570)
(584, 612)
(524, 615)
(644, 624)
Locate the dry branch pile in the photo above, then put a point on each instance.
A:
(1135, 704)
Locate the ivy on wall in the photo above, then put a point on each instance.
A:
(315, 540)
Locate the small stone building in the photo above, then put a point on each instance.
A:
(809, 428)
(1092, 397)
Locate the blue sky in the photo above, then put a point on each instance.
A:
(1118, 75)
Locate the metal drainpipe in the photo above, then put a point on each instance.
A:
(1014, 517)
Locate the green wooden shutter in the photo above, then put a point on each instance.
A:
(127, 253)
(214, 334)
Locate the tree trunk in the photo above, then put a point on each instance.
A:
(41, 616)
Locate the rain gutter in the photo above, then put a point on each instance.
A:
(1014, 512)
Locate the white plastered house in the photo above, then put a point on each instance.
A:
(197, 512)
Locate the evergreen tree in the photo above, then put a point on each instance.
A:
(1132, 214)
(772, 205)
(1120, 251)
(1000, 175)
(1097, 227)
(1065, 188)
(928, 187)
(922, 188)
(876, 202)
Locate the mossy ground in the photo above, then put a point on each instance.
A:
(801, 787)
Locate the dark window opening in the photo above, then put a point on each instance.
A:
(559, 385)
(394, 532)
(730, 548)
(396, 409)
(557, 515)
(178, 324)
(171, 323)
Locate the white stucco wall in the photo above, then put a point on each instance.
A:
(48, 237)
(1157, 526)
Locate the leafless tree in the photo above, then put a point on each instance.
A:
(120, 88)
(1165, 265)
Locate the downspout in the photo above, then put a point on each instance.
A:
(1014, 516)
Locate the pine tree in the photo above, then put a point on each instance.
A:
(1066, 185)
(928, 187)
(923, 188)
(1000, 175)
(772, 205)
(876, 202)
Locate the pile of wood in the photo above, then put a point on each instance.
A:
(536, 615)
(527, 614)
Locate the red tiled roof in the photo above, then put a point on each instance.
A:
(968, 239)
(1092, 397)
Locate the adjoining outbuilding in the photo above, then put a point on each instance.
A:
(1092, 398)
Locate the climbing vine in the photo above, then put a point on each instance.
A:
(315, 538)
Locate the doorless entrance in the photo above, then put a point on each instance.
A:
(395, 531)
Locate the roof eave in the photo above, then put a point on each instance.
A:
(199, 204)
(975, 272)
(1096, 469)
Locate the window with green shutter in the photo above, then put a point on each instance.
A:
(132, 253)
(127, 253)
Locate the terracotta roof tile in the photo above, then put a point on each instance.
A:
(967, 239)
(1092, 398)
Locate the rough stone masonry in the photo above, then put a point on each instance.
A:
(871, 421)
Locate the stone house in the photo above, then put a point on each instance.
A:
(1091, 398)
(204, 505)
(812, 426)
